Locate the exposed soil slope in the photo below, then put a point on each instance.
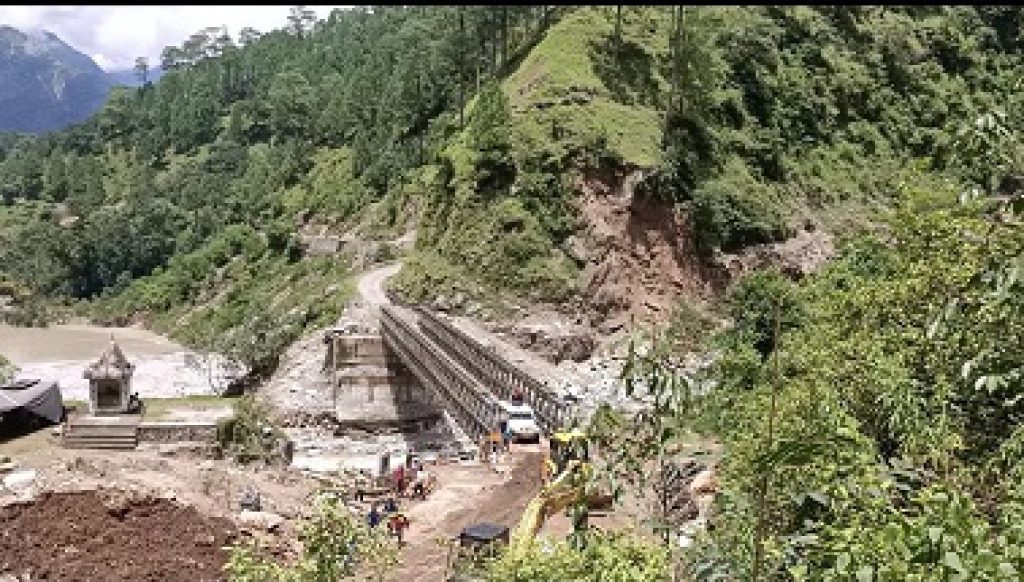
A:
(639, 253)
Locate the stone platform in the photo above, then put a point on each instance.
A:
(119, 432)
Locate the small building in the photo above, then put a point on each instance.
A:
(110, 380)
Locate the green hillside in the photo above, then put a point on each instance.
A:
(870, 414)
(753, 119)
(579, 80)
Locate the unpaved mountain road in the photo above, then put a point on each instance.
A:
(371, 284)
(364, 309)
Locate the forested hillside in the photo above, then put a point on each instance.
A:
(756, 121)
(480, 119)
(870, 412)
(186, 192)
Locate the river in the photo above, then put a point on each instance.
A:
(163, 368)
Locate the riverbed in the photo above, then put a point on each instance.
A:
(60, 353)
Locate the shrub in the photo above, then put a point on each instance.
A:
(688, 326)
(751, 305)
(336, 546)
(250, 434)
(7, 369)
(607, 557)
(734, 210)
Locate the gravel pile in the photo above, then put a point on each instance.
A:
(598, 381)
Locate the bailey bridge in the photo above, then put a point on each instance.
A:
(464, 376)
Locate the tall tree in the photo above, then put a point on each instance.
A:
(248, 35)
(141, 69)
(300, 20)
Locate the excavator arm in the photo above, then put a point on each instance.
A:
(554, 497)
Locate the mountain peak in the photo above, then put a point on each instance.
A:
(46, 84)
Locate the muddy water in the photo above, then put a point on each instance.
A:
(30, 345)
(60, 353)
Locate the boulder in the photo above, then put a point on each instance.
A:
(264, 521)
(20, 480)
(705, 483)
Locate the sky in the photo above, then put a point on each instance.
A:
(115, 35)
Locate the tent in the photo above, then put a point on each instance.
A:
(35, 397)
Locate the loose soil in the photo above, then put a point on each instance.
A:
(639, 252)
(104, 535)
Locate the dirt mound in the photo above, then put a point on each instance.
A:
(109, 535)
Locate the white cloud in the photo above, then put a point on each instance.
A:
(115, 35)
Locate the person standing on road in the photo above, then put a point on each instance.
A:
(422, 483)
(374, 517)
(399, 477)
(503, 429)
(398, 524)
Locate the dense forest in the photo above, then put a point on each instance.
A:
(180, 185)
(870, 412)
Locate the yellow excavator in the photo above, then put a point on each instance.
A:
(565, 446)
(569, 461)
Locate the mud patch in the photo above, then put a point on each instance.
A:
(111, 535)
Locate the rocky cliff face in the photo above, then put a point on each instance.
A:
(638, 253)
(44, 83)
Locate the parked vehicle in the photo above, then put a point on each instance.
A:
(522, 424)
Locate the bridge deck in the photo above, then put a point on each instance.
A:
(467, 377)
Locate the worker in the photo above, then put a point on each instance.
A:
(419, 488)
(374, 517)
(399, 479)
(503, 429)
(398, 524)
(485, 449)
(547, 470)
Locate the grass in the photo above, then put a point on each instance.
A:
(160, 408)
(622, 82)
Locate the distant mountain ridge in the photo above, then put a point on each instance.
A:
(47, 85)
(129, 78)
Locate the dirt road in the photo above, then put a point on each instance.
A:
(464, 496)
(371, 284)
(364, 310)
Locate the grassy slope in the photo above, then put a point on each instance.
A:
(577, 59)
(466, 245)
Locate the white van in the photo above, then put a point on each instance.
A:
(522, 424)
